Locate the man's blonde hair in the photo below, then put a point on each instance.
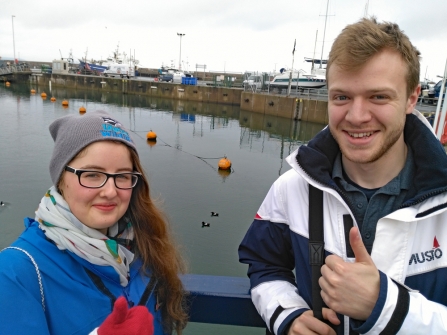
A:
(360, 41)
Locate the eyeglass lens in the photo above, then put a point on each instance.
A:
(97, 179)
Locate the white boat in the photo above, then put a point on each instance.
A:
(117, 65)
(316, 79)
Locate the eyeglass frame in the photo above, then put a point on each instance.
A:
(78, 172)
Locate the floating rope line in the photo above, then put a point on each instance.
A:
(168, 145)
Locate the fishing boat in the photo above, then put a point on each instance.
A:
(116, 61)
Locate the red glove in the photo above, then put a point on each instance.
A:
(125, 321)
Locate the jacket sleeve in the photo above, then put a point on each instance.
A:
(400, 310)
(267, 249)
(21, 310)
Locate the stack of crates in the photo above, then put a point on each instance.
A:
(189, 81)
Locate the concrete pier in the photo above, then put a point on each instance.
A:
(293, 108)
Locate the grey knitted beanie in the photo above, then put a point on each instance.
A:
(72, 133)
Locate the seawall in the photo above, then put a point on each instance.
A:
(311, 110)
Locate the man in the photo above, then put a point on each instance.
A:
(380, 168)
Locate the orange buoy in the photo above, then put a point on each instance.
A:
(33, 91)
(43, 95)
(82, 110)
(64, 103)
(7, 83)
(224, 163)
(53, 99)
(151, 136)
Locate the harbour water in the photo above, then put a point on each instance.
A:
(182, 167)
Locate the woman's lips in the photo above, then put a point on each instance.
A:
(105, 207)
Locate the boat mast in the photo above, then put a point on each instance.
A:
(365, 14)
(315, 46)
(324, 34)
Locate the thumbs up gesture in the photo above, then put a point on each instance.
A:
(348, 288)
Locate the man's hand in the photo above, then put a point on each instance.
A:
(351, 289)
(307, 324)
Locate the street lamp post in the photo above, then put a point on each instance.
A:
(13, 41)
(180, 57)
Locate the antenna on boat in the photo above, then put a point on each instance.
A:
(324, 34)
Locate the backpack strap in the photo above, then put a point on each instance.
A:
(316, 247)
(39, 278)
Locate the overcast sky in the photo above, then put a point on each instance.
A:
(230, 35)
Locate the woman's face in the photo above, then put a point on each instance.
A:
(98, 208)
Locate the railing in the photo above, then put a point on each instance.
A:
(304, 93)
(221, 300)
(10, 69)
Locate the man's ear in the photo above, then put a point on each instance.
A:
(413, 99)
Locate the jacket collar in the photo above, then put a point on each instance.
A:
(318, 157)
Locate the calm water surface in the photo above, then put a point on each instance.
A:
(182, 167)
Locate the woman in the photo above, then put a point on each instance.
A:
(96, 237)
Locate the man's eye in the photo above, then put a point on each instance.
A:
(380, 96)
(341, 97)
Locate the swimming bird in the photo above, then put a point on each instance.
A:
(205, 224)
(4, 204)
(214, 214)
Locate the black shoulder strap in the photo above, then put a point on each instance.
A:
(316, 251)
(316, 246)
(150, 289)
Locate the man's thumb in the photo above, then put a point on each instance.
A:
(360, 252)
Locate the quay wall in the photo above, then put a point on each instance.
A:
(310, 110)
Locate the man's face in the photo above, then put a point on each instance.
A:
(367, 108)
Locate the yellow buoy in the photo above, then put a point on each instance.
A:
(151, 136)
(43, 95)
(53, 99)
(64, 103)
(224, 163)
(82, 110)
(7, 83)
(33, 91)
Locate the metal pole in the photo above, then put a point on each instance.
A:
(13, 40)
(440, 128)
(180, 57)
(290, 78)
(313, 57)
(291, 71)
(324, 34)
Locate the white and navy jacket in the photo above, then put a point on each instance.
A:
(410, 247)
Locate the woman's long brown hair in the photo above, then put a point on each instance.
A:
(156, 248)
(158, 252)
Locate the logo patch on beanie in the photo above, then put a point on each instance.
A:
(111, 121)
(109, 130)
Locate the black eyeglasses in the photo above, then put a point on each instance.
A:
(97, 179)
